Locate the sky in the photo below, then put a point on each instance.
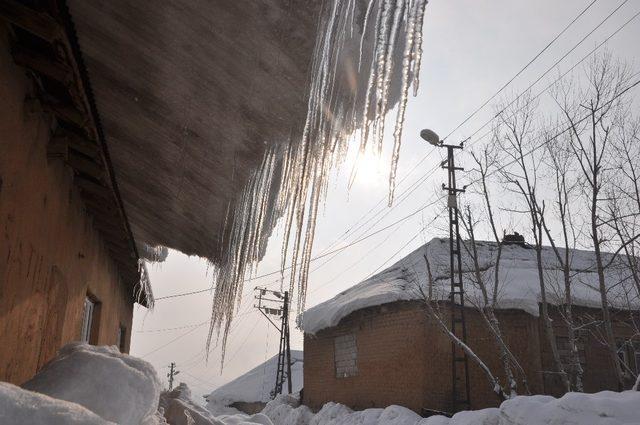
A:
(471, 48)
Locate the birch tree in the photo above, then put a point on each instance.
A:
(592, 113)
(516, 133)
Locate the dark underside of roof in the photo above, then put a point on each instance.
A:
(190, 95)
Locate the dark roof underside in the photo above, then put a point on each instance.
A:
(190, 94)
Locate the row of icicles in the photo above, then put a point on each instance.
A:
(345, 94)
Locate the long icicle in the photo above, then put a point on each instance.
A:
(292, 178)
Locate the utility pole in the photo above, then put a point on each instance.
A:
(459, 361)
(276, 304)
(172, 372)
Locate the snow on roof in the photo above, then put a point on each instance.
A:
(257, 384)
(518, 285)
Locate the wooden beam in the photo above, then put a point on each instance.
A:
(92, 188)
(38, 23)
(86, 166)
(42, 65)
(57, 149)
(85, 146)
(68, 113)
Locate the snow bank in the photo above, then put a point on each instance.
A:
(518, 286)
(117, 387)
(286, 410)
(603, 408)
(256, 385)
(179, 409)
(19, 407)
(177, 406)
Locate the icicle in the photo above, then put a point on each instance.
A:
(292, 178)
(420, 6)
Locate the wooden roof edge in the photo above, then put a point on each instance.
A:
(93, 169)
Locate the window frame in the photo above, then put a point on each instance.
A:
(345, 355)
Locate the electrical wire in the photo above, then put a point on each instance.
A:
(505, 85)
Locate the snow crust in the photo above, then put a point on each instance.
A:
(115, 386)
(603, 408)
(519, 287)
(257, 384)
(18, 406)
(286, 410)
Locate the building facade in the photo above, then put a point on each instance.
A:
(396, 354)
(67, 270)
(377, 343)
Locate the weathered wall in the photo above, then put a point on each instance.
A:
(403, 358)
(50, 256)
(598, 369)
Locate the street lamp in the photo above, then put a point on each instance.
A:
(460, 364)
(431, 137)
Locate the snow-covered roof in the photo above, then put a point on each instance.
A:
(518, 284)
(257, 384)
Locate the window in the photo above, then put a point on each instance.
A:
(121, 341)
(87, 319)
(629, 355)
(345, 356)
(564, 350)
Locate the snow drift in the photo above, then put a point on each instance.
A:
(115, 386)
(18, 406)
(518, 286)
(603, 408)
(256, 385)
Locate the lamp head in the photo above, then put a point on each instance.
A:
(430, 136)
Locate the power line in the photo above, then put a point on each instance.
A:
(173, 340)
(585, 57)
(550, 139)
(404, 218)
(522, 69)
(424, 177)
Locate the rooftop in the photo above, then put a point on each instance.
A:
(518, 287)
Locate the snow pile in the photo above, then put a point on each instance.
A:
(178, 406)
(18, 406)
(603, 408)
(518, 287)
(179, 409)
(286, 410)
(256, 385)
(115, 386)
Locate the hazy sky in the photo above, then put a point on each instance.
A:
(471, 48)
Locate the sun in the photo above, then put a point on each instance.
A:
(365, 169)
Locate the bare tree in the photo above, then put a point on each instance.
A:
(486, 305)
(515, 134)
(592, 113)
(559, 158)
(432, 306)
(485, 160)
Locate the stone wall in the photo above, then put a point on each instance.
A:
(50, 255)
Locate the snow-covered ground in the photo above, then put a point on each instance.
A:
(256, 385)
(98, 386)
(604, 408)
(518, 285)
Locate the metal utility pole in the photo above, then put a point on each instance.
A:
(172, 372)
(278, 306)
(459, 360)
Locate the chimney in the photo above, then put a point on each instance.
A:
(513, 239)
